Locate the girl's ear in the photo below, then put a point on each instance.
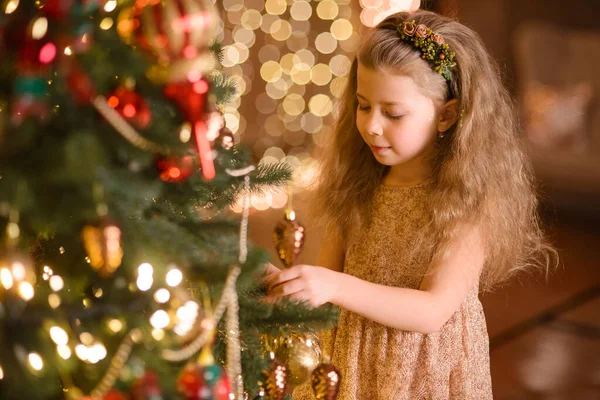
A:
(448, 115)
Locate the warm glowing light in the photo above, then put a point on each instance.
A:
(145, 279)
(68, 51)
(6, 278)
(35, 361)
(115, 325)
(86, 338)
(160, 319)
(158, 334)
(110, 5)
(320, 105)
(82, 351)
(327, 9)
(58, 335)
(174, 277)
(1, 373)
(39, 28)
(11, 6)
(54, 300)
(162, 296)
(64, 352)
(106, 23)
(26, 291)
(301, 10)
(186, 317)
(18, 271)
(56, 283)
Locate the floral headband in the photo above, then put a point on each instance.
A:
(432, 46)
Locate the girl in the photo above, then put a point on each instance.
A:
(427, 199)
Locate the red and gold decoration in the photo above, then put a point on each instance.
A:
(175, 169)
(176, 34)
(204, 379)
(131, 105)
(325, 382)
(102, 244)
(289, 238)
(146, 387)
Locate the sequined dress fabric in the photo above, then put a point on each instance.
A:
(382, 363)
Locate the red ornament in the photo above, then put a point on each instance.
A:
(191, 98)
(174, 168)
(131, 106)
(57, 9)
(146, 388)
(203, 383)
(442, 56)
(114, 395)
(79, 83)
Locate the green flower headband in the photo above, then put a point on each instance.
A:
(432, 46)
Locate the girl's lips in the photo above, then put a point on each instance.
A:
(379, 150)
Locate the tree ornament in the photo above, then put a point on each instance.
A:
(300, 357)
(114, 395)
(131, 106)
(226, 139)
(204, 379)
(78, 82)
(289, 238)
(102, 244)
(176, 34)
(325, 382)
(175, 169)
(146, 387)
(276, 382)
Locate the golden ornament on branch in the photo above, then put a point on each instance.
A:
(289, 238)
(276, 385)
(300, 355)
(102, 244)
(325, 382)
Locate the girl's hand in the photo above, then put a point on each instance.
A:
(309, 283)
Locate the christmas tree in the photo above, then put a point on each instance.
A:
(120, 261)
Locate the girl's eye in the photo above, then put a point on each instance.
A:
(363, 107)
(395, 117)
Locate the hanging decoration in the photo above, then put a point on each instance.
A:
(177, 38)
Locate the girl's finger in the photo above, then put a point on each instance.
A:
(288, 288)
(287, 275)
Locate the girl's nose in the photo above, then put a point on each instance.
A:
(373, 126)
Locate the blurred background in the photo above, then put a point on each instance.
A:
(291, 57)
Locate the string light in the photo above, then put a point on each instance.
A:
(35, 361)
(145, 279)
(59, 336)
(174, 277)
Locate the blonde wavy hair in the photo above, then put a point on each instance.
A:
(481, 175)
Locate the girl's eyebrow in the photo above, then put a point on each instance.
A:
(385, 103)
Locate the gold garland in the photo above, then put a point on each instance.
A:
(124, 128)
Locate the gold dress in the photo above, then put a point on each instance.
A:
(381, 363)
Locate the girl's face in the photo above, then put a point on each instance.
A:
(394, 117)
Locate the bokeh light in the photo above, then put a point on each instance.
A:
(292, 58)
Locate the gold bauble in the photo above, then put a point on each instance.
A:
(289, 238)
(102, 244)
(325, 382)
(276, 385)
(301, 356)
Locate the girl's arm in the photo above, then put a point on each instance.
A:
(425, 310)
